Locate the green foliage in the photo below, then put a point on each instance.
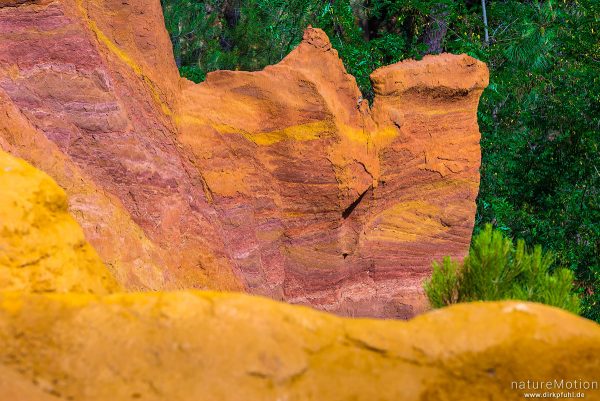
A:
(265, 31)
(496, 270)
(540, 123)
(442, 287)
(193, 73)
(539, 117)
(194, 31)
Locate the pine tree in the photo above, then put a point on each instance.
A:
(497, 270)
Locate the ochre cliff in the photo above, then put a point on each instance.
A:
(66, 334)
(282, 182)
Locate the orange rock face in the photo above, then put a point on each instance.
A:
(282, 182)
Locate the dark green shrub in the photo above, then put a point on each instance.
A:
(495, 270)
(193, 73)
(442, 287)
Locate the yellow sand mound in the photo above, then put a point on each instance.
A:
(42, 248)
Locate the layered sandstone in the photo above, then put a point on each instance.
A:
(65, 336)
(282, 182)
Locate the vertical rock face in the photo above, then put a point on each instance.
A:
(281, 182)
(86, 86)
(326, 202)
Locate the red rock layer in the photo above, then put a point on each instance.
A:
(78, 88)
(281, 182)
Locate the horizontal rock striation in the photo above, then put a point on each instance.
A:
(66, 333)
(77, 81)
(282, 182)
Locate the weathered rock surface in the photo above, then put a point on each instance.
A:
(42, 248)
(193, 345)
(85, 86)
(281, 182)
(218, 346)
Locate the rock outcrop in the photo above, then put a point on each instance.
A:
(65, 336)
(42, 248)
(282, 182)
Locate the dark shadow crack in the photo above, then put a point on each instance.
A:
(358, 343)
(348, 211)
